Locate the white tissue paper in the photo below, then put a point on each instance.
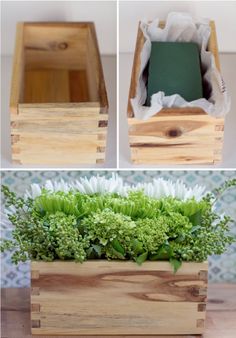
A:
(183, 28)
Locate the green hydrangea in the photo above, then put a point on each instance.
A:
(110, 230)
(66, 238)
(152, 233)
(76, 226)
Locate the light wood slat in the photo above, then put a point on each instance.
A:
(55, 46)
(57, 159)
(46, 86)
(220, 315)
(74, 127)
(193, 118)
(147, 299)
(65, 140)
(70, 147)
(17, 72)
(173, 155)
(155, 141)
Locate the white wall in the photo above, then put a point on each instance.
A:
(103, 13)
(223, 12)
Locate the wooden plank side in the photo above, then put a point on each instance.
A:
(53, 46)
(187, 140)
(147, 299)
(57, 158)
(63, 127)
(58, 111)
(220, 316)
(154, 319)
(65, 134)
(219, 139)
(94, 53)
(213, 45)
(176, 139)
(173, 155)
(172, 128)
(135, 70)
(46, 86)
(18, 70)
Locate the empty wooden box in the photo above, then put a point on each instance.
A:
(174, 135)
(58, 104)
(102, 297)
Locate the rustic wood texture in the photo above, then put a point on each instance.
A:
(220, 314)
(67, 134)
(17, 70)
(102, 297)
(174, 135)
(59, 105)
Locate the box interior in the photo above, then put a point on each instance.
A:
(61, 64)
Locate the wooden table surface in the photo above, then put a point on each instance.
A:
(220, 323)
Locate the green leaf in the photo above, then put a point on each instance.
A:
(181, 238)
(137, 246)
(195, 228)
(142, 258)
(90, 253)
(176, 264)
(97, 249)
(164, 253)
(118, 247)
(117, 254)
(196, 218)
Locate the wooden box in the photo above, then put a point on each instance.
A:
(174, 135)
(58, 103)
(117, 298)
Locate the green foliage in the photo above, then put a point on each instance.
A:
(71, 225)
(68, 203)
(111, 231)
(152, 233)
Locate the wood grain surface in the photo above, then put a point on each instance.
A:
(174, 135)
(220, 314)
(102, 297)
(58, 96)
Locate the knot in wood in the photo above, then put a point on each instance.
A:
(63, 45)
(174, 132)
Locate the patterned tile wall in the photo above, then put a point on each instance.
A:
(222, 268)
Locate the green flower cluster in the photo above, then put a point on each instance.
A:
(75, 226)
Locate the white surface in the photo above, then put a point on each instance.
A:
(103, 13)
(223, 12)
(228, 67)
(109, 68)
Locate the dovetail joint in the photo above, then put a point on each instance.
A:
(35, 291)
(200, 323)
(99, 161)
(201, 307)
(203, 275)
(35, 323)
(101, 149)
(34, 274)
(35, 308)
(219, 128)
(102, 123)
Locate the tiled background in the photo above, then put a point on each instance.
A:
(222, 268)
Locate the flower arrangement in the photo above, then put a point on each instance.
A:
(107, 219)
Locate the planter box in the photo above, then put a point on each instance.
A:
(58, 98)
(174, 135)
(117, 298)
